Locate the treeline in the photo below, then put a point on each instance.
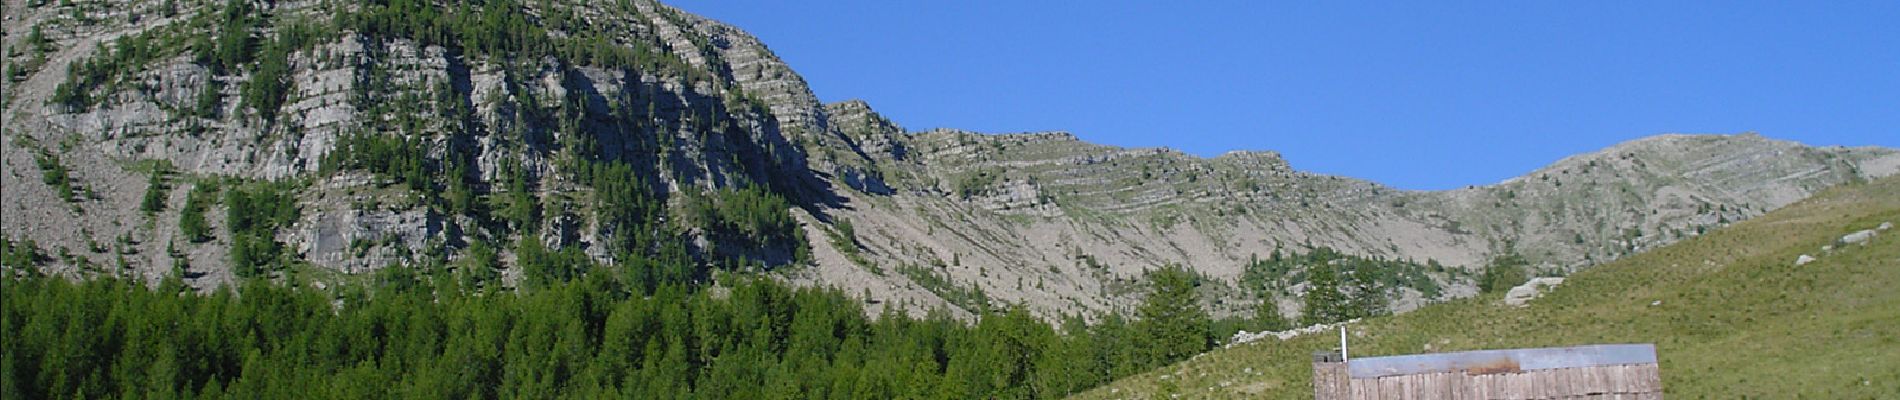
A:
(412, 336)
(502, 29)
(229, 40)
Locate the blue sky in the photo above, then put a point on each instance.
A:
(1418, 95)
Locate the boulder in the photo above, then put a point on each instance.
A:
(1522, 294)
(1860, 237)
(1803, 260)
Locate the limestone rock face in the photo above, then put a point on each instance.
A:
(356, 234)
(684, 128)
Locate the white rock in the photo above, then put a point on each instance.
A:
(1245, 337)
(1655, 303)
(1859, 237)
(1803, 260)
(1522, 294)
(1884, 226)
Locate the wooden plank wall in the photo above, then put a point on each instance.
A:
(1634, 381)
(1330, 381)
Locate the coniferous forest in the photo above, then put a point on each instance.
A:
(412, 336)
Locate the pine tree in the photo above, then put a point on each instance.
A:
(1502, 273)
(1267, 316)
(1324, 302)
(1173, 325)
(1367, 299)
(191, 220)
(154, 192)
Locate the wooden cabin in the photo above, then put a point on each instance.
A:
(1616, 371)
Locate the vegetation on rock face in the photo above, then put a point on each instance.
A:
(156, 189)
(191, 218)
(253, 213)
(54, 173)
(515, 205)
(749, 219)
(425, 143)
(499, 29)
(1339, 286)
(19, 257)
(269, 83)
(930, 278)
(107, 71)
(400, 159)
(1503, 273)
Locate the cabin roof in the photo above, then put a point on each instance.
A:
(1503, 361)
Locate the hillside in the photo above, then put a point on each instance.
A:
(1087, 219)
(477, 137)
(1731, 314)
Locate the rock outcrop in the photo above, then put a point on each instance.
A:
(1803, 260)
(1859, 237)
(1521, 295)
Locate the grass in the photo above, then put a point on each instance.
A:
(1735, 318)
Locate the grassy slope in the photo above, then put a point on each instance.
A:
(1736, 318)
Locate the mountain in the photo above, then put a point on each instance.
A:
(1045, 207)
(1733, 313)
(315, 142)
